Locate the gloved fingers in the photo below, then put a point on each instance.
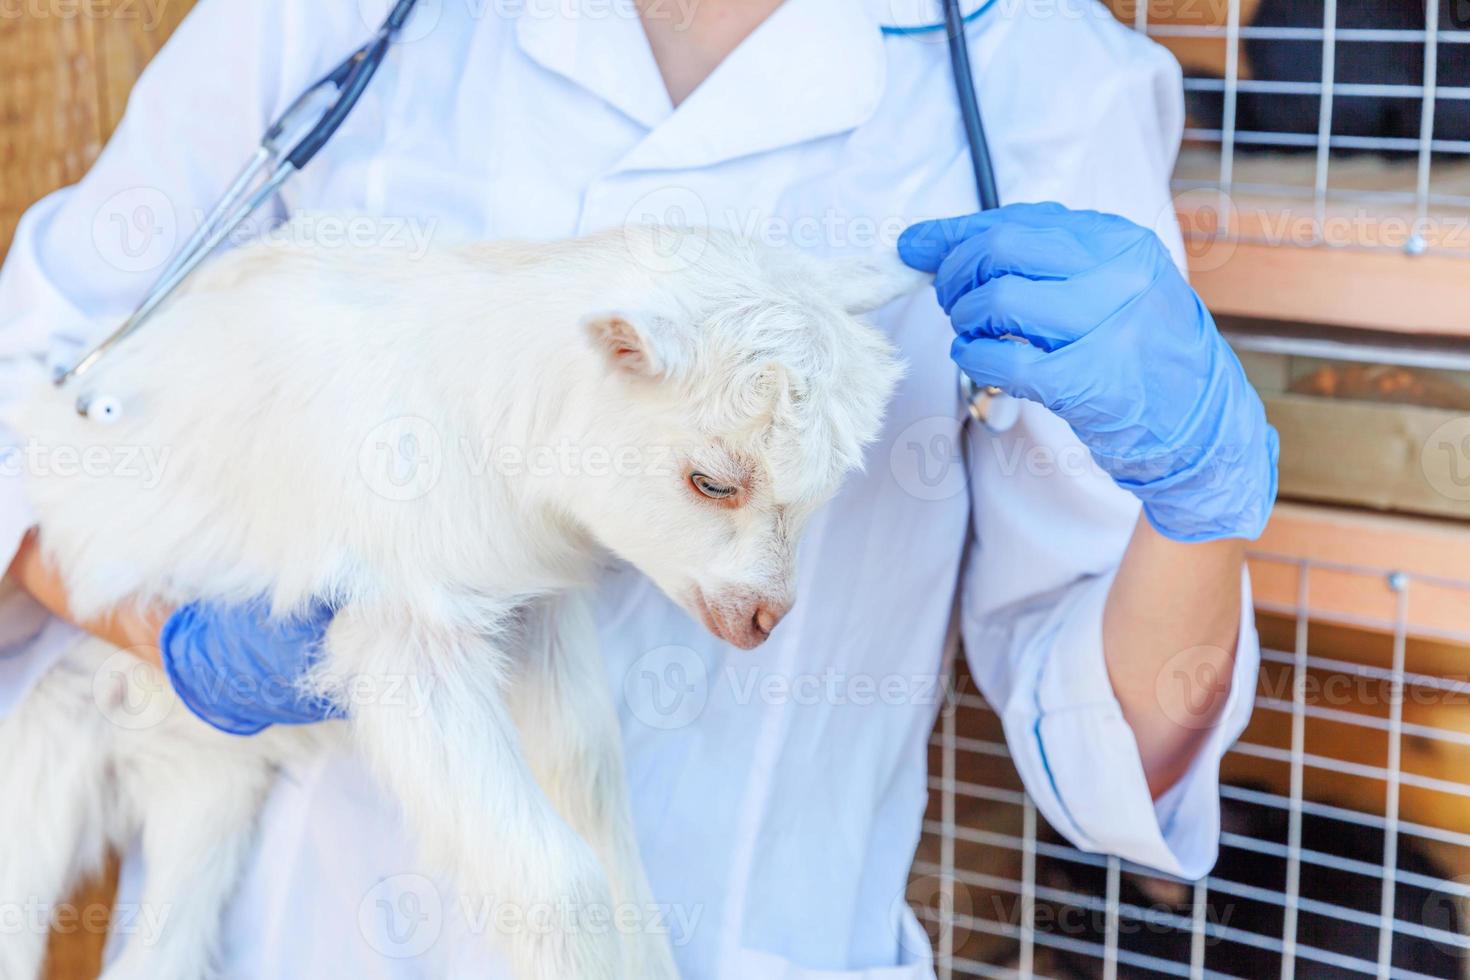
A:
(1045, 314)
(927, 244)
(1040, 253)
(1007, 250)
(1013, 366)
(1052, 313)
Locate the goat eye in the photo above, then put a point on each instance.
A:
(711, 489)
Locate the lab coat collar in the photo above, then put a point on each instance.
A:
(911, 14)
(600, 46)
(778, 88)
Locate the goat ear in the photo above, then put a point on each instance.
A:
(626, 346)
(864, 283)
(770, 386)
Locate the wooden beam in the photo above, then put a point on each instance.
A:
(1374, 290)
(1370, 546)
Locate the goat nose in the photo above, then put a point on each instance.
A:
(766, 617)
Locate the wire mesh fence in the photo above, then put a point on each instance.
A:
(1351, 116)
(1345, 822)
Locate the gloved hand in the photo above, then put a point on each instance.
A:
(1087, 314)
(239, 670)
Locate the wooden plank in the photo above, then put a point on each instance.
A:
(49, 122)
(67, 74)
(1419, 545)
(1377, 544)
(1372, 454)
(1373, 290)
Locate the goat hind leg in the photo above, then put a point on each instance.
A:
(200, 793)
(53, 826)
(569, 726)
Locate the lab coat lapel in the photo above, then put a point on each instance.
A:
(778, 88)
(601, 47)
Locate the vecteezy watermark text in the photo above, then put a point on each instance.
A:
(144, 464)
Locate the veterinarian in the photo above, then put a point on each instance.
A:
(1094, 537)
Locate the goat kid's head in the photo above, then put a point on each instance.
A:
(750, 387)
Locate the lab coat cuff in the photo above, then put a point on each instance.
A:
(1100, 795)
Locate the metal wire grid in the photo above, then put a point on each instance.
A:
(953, 922)
(1423, 199)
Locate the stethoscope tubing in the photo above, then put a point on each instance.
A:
(346, 83)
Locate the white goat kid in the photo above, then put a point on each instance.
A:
(349, 425)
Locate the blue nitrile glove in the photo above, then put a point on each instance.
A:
(238, 669)
(1087, 314)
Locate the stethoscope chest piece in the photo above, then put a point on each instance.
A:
(991, 407)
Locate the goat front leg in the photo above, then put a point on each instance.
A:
(569, 725)
(450, 755)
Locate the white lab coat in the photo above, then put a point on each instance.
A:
(778, 794)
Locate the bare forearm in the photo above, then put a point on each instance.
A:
(130, 629)
(1170, 630)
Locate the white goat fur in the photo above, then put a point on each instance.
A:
(269, 382)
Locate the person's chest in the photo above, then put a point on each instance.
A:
(809, 135)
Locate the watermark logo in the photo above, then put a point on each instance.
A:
(665, 229)
(401, 916)
(420, 24)
(927, 459)
(1207, 219)
(145, 466)
(1444, 915)
(143, 923)
(402, 459)
(1457, 13)
(148, 12)
(1193, 685)
(942, 903)
(136, 229)
(667, 688)
(1445, 459)
(130, 693)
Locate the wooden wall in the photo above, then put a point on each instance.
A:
(66, 67)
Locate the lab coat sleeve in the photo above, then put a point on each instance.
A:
(84, 255)
(1050, 530)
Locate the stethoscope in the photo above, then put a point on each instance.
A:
(290, 143)
(990, 407)
(309, 123)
